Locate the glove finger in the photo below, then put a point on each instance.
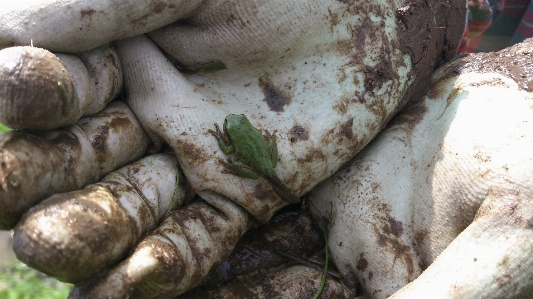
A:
(74, 235)
(177, 255)
(81, 25)
(35, 165)
(42, 91)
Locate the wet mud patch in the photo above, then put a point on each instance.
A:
(513, 62)
(346, 130)
(157, 7)
(87, 13)
(429, 41)
(409, 119)
(262, 192)
(362, 263)
(193, 153)
(379, 74)
(342, 105)
(275, 97)
(298, 133)
(99, 143)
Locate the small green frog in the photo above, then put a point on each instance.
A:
(257, 154)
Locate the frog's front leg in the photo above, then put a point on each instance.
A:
(240, 169)
(272, 148)
(223, 140)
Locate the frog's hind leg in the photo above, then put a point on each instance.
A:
(239, 169)
(272, 148)
(222, 139)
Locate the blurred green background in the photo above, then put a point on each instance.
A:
(18, 281)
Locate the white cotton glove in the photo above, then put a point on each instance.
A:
(322, 76)
(301, 83)
(71, 26)
(447, 187)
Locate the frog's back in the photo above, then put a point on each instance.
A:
(248, 142)
(250, 145)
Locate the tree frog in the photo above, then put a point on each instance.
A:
(257, 154)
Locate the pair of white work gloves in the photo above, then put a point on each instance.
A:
(324, 77)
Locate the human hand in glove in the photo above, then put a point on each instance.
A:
(322, 76)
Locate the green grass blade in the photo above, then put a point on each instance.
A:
(325, 274)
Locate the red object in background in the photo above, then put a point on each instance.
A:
(480, 16)
(495, 24)
(525, 28)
